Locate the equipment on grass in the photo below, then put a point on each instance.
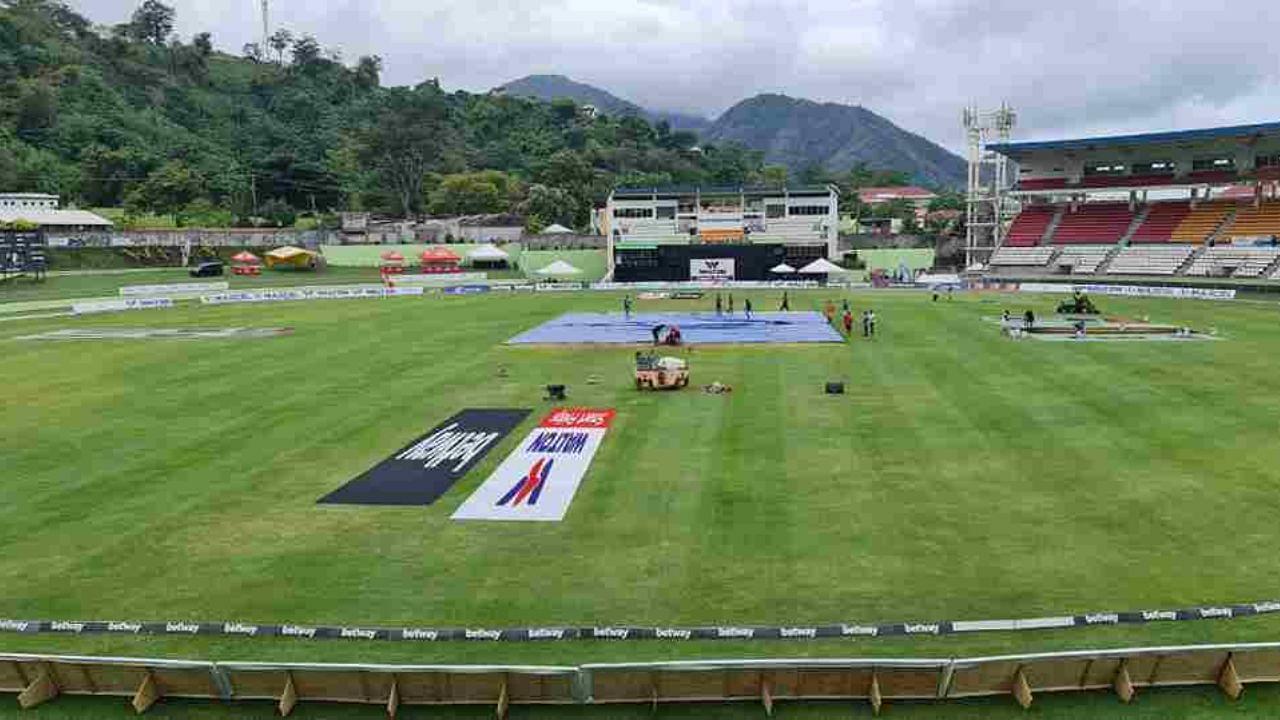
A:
(665, 373)
(555, 392)
(835, 388)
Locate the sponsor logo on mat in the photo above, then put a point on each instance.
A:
(538, 480)
(426, 468)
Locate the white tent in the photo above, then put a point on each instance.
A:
(782, 269)
(556, 229)
(559, 267)
(488, 253)
(821, 266)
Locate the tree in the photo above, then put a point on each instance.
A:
(37, 107)
(203, 44)
(152, 22)
(280, 41)
(278, 212)
(169, 189)
(774, 175)
(252, 51)
(368, 71)
(306, 50)
(548, 205)
(407, 138)
(489, 191)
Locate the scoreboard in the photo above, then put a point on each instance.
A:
(22, 251)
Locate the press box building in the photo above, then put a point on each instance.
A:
(717, 233)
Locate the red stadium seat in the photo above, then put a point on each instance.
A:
(1094, 224)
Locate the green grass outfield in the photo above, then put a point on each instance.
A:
(964, 476)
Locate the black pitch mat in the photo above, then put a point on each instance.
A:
(426, 468)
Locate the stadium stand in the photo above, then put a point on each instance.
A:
(1029, 227)
(1235, 261)
(1094, 224)
(1162, 219)
(1084, 259)
(1201, 222)
(1014, 256)
(1150, 260)
(1042, 184)
(1262, 221)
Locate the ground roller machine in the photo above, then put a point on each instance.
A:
(660, 373)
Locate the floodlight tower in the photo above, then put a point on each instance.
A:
(986, 204)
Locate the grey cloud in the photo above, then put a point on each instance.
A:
(1088, 66)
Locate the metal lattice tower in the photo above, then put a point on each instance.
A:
(986, 205)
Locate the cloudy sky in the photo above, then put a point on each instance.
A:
(1072, 68)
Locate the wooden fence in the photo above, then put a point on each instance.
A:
(40, 678)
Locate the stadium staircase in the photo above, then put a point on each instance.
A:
(1138, 221)
(1053, 226)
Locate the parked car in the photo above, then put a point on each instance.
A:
(207, 269)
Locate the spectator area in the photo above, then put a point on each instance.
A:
(1029, 226)
(1150, 260)
(1255, 222)
(1162, 219)
(1094, 224)
(1201, 222)
(1235, 261)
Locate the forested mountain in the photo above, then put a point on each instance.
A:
(554, 87)
(131, 115)
(802, 133)
(799, 134)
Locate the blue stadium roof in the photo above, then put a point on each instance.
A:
(1157, 138)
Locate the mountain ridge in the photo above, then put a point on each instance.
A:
(795, 132)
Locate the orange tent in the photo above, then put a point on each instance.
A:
(439, 260)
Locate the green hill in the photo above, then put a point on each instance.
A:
(133, 116)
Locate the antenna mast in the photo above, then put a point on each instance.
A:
(265, 31)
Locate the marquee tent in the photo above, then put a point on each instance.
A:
(291, 256)
(782, 269)
(821, 266)
(556, 229)
(559, 268)
(488, 256)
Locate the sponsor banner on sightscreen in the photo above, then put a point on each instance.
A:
(539, 478)
(712, 269)
(422, 471)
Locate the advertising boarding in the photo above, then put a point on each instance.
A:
(711, 269)
(539, 478)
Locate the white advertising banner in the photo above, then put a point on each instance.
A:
(315, 293)
(711, 269)
(436, 279)
(174, 289)
(97, 306)
(1171, 291)
(539, 478)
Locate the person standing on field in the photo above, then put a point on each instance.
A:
(719, 305)
(746, 307)
(786, 303)
(847, 318)
(626, 306)
(730, 303)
